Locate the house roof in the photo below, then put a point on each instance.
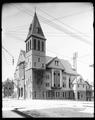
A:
(48, 59)
(65, 63)
(68, 67)
(21, 58)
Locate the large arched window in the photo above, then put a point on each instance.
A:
(34, 45)
(30, 44)
(54, 79)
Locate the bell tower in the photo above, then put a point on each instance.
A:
(35, 45)
(35, 55)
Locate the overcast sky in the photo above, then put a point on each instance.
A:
(68, 28)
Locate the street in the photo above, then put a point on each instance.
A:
(47, 108)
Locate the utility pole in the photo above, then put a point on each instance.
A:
(9, 54)
(75, 55)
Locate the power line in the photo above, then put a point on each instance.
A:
(73, 14)
(15, 37)
(66, 31)
(47, 21)
(8, 52)
(62, 22)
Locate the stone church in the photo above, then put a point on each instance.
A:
(39, 76)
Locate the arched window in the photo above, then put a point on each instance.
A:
(54, 79)
(42, 46)
(69, 83)
(30, 44)
(21, 92)
(26, 47)
(38, 45)
(34, 45)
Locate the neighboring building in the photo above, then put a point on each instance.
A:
(19, 76)
(7, 88)
(88, 91)
(82, 89)
(92, 98)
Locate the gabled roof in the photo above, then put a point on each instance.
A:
(68, 67)
(65, 63)
(51, 64)
(81, 80)
(87, 83)
(21, 57)
(48, 59)
(34, 27)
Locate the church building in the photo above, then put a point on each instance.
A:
(44, 77)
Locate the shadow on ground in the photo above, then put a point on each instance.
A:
(21, 113)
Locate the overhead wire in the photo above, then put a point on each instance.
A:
(62, 22)
(46, 20)
(68, 32)
(73, 14)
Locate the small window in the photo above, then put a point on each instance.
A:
(56, 94)
(42, 65)
(38, 59)
(63, 94)
(63, 84)
(47, 84)
(56, 63)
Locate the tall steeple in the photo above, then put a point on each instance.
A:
(35, 28)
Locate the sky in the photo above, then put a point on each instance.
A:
(68, 28)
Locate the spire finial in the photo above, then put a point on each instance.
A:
(35, 9)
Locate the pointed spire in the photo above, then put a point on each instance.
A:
(35, 28)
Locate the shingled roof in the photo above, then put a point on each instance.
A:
(34, 27)
(65, 63)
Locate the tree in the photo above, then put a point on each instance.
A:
(8, 87)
